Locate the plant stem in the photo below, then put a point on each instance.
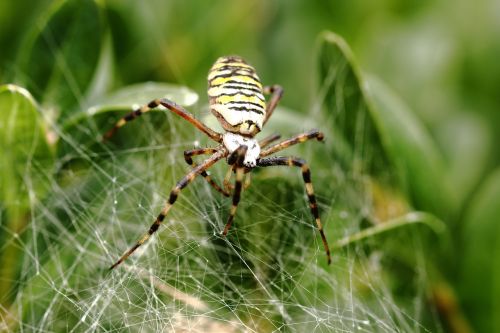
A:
(408, 219)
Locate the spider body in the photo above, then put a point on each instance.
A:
(236, 98)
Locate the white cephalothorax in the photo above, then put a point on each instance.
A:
(232, 141)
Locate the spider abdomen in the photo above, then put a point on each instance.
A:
(236, 96)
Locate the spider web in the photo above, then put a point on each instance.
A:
(269, 274)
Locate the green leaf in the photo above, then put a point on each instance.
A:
(130, 97)
(26, 161)
(345, 106)
(419, 164)
(25, 146)
(103, 75)
(139, 94)
(466, 140)
(384, 136)
(479, 281)
(87, 127)
(61, 54)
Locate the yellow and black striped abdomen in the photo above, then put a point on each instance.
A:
(236, 96)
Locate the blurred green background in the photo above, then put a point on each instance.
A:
(439, 57)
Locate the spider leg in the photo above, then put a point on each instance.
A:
(277, 93)
(172, 198)
(236, 160)
(228, 187)
(268, 140)
(194, 152)
(248, 180)
(306, 175)
(312, 134)
(175, 108)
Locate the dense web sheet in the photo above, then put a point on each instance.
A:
(269, 274)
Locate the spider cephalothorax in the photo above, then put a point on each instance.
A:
(237, 100)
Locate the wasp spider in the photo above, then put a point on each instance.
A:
(237, 100)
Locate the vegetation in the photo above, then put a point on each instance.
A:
(407, 180)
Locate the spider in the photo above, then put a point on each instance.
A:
(237, 100)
